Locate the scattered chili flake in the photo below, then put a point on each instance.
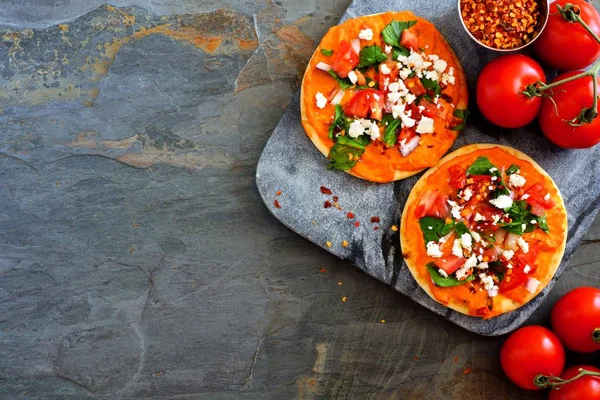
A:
(340, 283)
(327, 204)
(415, 358)
(350, 215)
(276, 203)
(278, 193)
(356, 224)
(323, 270)
(394, 228)
(466, 371)
(335, 199)
(344, 298)
(376, 228)
(375, 220)
(325, 190)
(328, 244)
(455, 359)
(345, 243)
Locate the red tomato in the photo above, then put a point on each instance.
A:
(458, 177)
(450, 263)
(430, 109)
(345, 59)
(537, 196)
(406, 134)
(415, 86)
(433, 204)
(409, 40)
(391, 77)
(576, 319)
(499, 89)
(587, 387)
(568, 46)
(366, 103)
(531, 351)
(570, 99)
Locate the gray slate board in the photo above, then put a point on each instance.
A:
(291, 164)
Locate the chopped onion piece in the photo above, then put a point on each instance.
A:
(500, 235)
(356, 45)
(532, 284)
(323, 66)
(338, 97)
(511, 241)
(409, 146)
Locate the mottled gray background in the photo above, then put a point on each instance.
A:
(136, 257)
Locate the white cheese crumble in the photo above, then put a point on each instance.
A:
(479, 217)
(356, 129)
(385, 69)
(457, 248)
(476, 236)
(462, 271)
(488, 284)
(433, 250)
(408, 121)
(483, 265)
(516, 180)
(393, 97)
(525, 196)
(410, 98)
(404, 73)
(353, 77)
(440, 65)
(442, 273)
(496, 218)
(366, 34)
(503, 201)
(425, 125)
(321, 100)
(455, 209)
(547, 196)
(527, 269)
(387, 48)
(373, 130)
(398, 110)
(466, 240)
(508, 254)
(433, 75)
(509, 266)
(467, 193)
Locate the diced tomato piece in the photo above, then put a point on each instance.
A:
(366, 103)
(409, 40)
(372, 74)
(391, 77)
(481, 178)
(458, 177)
(490, 254)
(430, 109)
(537, 194)
(415, 86)
(512, 280)
(406, 134)
(517, 276)
(345, 59)
(433, 204)
(487, 211)
(450, 263)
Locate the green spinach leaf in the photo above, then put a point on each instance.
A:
(399, 51)
(513, 169)
(371, 55)
(431, 85)
(360, 142)
(392, 32)
(326, 52)
(434, 228)
(441, 281)
(461, 228)
(390, 136)
(344, 83)
(462, 114)
(343, 157)
(339, 121)
(482, 166)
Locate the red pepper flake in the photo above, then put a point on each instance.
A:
(357, 224)
(376, 228)
(325, 190)
(415, 358)
(323, 270)
(455, 359)
(350, 215)
(327, 204)
(466, 371)
(375, 220)
(276, 203)
(278, 193)
(335, 199)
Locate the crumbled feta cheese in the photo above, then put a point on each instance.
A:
(376, 96)
(526, 269)
(451, 71)
(402, 59)
(398, 110)
(471, 262)
(490, 188)
(394, 86)
(385, 69)
(373, 130)
(442, 273)
(479, 217)
(433, 75)
(440, 66)
(508, 254)
(386, 82)
(493, 169)
(387, 49)
(408, 121)
(467, 193)
(483, 265)
(533, 221)
(476, 237)
(353, 77)
(321, 100)
(404, 73)
(425, 125)
(525, 196)
(509, 266)
(496, 218)
(516, 180)
(433, 57)
(415, 61)
(547, 196)
(455, 209)
(494, 178)
(427, 64)
(356, 129)
(462, 271)
(488, 284)
(433, 250)
(466, 240)
(366, 34)
(410, 98)
(393, 97)
(503, 201)
(457, 248)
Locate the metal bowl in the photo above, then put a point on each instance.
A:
(545, 9)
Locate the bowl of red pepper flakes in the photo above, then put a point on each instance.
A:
(504, 25)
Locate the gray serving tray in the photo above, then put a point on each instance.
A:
(291, 164)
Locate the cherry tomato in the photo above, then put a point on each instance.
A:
(531, 351)
(565, 45)
(367, 102)
(568, 99)
(450, 263)
(587, 387)
(499, 89)
(576, 319)
(391, 77)
(409, 40)
(345, 59)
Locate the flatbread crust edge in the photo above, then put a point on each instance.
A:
(462, 102)
(502, 303)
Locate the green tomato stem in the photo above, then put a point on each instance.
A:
(555, 382)
(571, 14)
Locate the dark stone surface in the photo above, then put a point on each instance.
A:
(136, 257)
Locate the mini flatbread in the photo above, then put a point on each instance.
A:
(517, 267)
(380, 162)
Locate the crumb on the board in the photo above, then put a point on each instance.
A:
(325, 190)
(323, 270)
(328, 244)
(394, 228)
(344, 299)
(466, 371)
(278, 193)
(340, 283)
(345, 243)
(383, 321)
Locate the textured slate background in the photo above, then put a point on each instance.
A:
(136, 257)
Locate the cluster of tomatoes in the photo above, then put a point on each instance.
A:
(533, 357)
(512, 90)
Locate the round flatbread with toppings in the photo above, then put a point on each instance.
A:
(383, 96)
(484, 231)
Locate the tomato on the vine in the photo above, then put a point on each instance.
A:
(576, 319)
(586, 387)
(565, 104)
(499, 88)
(531, 351)
(567, 45)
